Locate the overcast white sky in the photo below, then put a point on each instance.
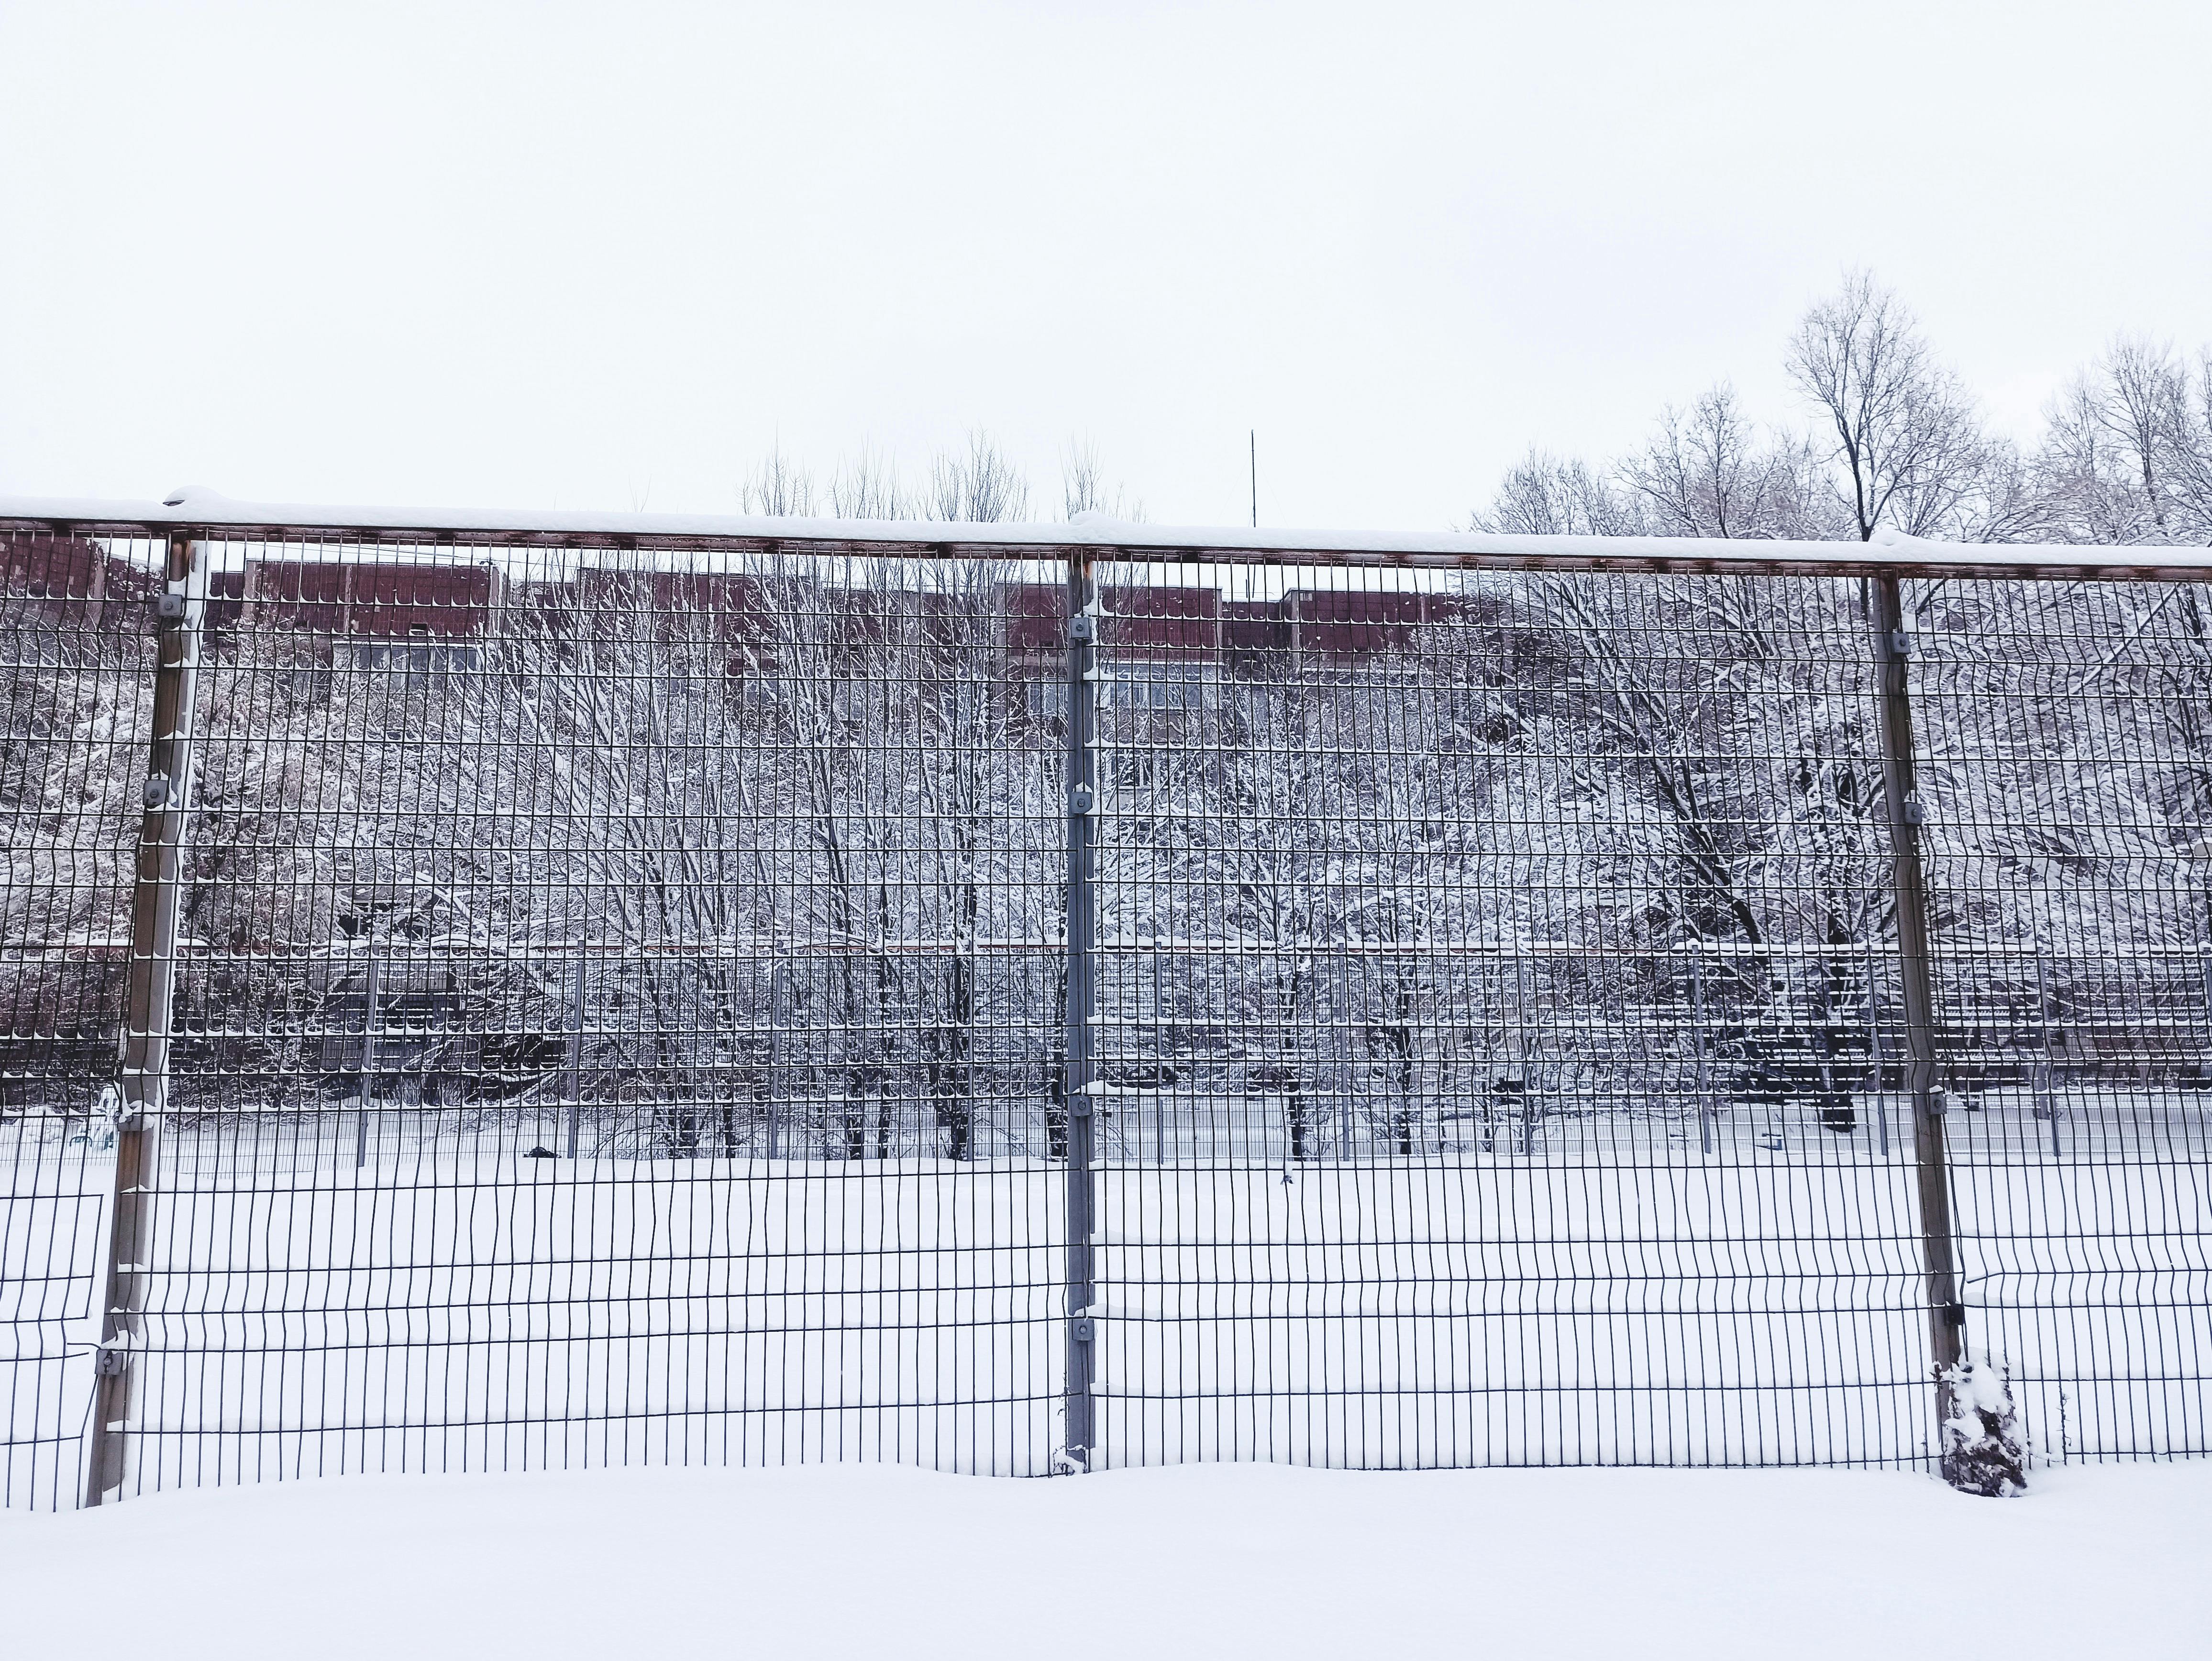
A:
(545, 255)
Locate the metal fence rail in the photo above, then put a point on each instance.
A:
(515, 995)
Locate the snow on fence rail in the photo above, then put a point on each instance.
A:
(1021, 999)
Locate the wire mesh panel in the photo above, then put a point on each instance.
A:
(614, 1020)
(76, 656)
(565, 1000)
(1493, 970)
(2067, 770)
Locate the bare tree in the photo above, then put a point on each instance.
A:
(1544, 494)
(979, 486)
(868, 487)
(1707, 473)
(2127, 449)
(977, 773)
(1770, 867)
(779, 487)
(1269, 866)
(828, 663)
(71, 766)
(617, 701)
(1908, 446)
(1082, 487)
(2009, 503)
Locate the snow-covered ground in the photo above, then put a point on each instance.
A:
(1212, 1562)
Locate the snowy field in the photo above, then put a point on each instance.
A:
(1218, 1562)
(422, 1300)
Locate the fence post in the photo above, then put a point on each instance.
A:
(1082, 1000)
(156, 901)
(1946, 1315)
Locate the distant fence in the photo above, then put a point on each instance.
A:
(567, 995)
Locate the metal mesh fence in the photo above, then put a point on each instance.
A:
(77, 670)
(601, 1001)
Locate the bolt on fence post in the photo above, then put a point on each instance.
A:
(1082, 783)
(157, 903)
(1946, 1314)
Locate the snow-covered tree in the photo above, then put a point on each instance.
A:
(76, 693)
(2127, 450)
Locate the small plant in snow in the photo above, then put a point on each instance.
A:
(1983, 1453)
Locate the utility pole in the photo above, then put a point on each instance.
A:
(156, 904)
(1255, 439)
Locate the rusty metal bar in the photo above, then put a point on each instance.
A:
(149, 994)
